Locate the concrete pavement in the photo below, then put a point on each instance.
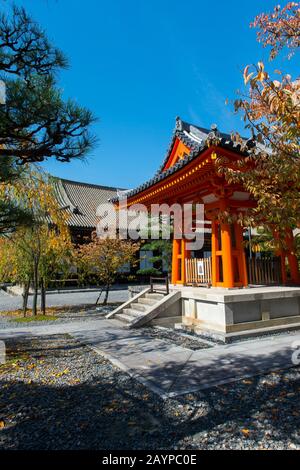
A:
(173, 370)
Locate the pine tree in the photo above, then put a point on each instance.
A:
(36, 123)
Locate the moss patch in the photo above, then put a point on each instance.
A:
(49, 311)
(36, 318)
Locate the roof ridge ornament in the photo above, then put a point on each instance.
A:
(122, 193)
(179, 125)
(214, 137)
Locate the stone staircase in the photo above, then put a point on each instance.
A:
(143, 308)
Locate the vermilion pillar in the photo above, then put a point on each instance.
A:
(229, 267)
(179, 255)
(292, 258)
(227, 257)
(176, 261)
(289, 255)
(241, 256)
(214, 247)
(281, 253)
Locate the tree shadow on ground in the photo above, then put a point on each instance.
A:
(110, 410)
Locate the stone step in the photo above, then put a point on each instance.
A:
(124, 318)
(138, 306)
(154, 296)
(130, 312)
(144, 300)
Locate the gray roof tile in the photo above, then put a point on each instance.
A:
(81, 200)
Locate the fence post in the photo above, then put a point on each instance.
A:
(151, 285)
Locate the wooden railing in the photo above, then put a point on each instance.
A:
(159, 284)
(198, 271)
(264, 271)
(261, 271)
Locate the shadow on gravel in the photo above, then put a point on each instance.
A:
(93, 405)
(88, 417)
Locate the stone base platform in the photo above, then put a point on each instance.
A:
(228, 314)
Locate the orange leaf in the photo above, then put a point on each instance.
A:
(246, 432)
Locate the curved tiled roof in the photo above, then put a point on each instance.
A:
(197, 139)
(194, 137)
(81, 200)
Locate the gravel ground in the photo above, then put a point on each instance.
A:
(74, 314)
(58, 394)
(175, 337)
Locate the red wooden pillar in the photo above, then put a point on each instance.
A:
(229, 268)
(292, 258)
(227, 256)
(176, 275)
(185, 254)
(179, 255)
(214, 258)
(281, 253)
(241, 256)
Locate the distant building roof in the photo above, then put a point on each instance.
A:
(81, 200)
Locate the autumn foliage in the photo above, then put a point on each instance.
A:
(271, 110)
(280, 28)
(104, 257)
(34, 253)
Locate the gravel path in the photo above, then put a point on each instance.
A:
(175, 337)
(58, 394)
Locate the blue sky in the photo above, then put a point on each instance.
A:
(137, 64)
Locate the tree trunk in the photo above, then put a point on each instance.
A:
(106, 294)
(98, 298)
(25, 297)
(43, 297)
(35, 287)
